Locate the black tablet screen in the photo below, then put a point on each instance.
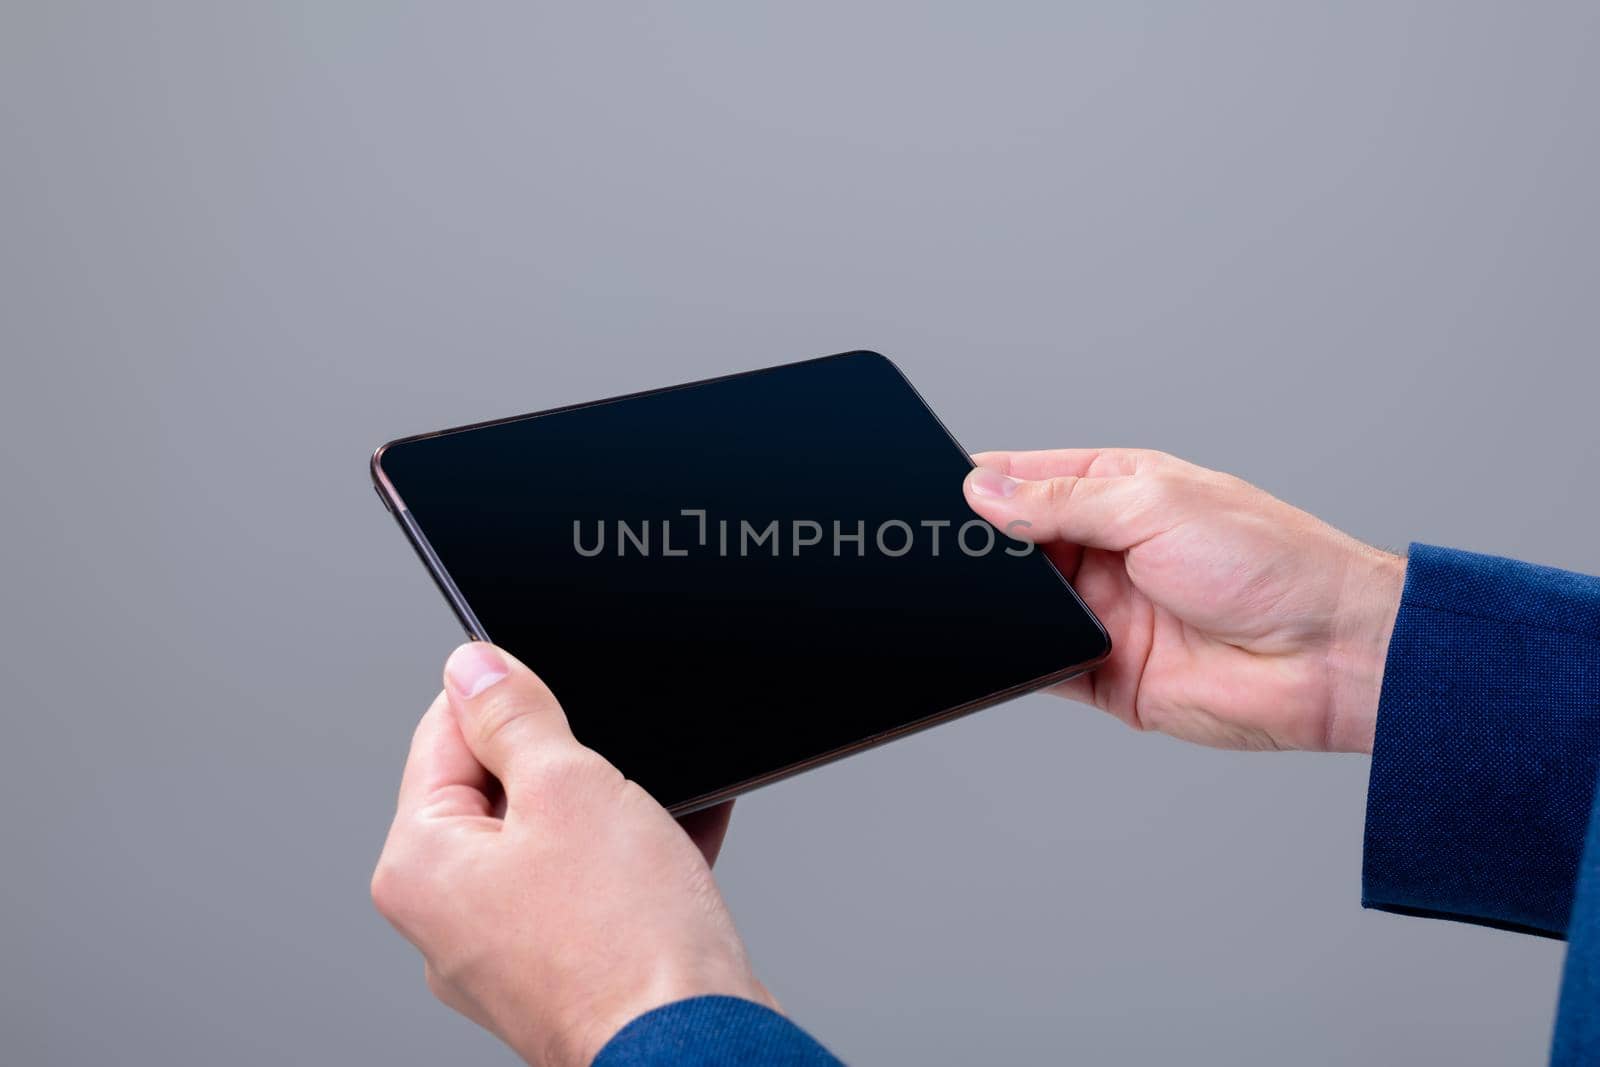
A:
(727, 580)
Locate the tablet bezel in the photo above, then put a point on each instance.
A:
(476, 631)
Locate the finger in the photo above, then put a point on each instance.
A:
(1102, 581)
(508, 716)
(1067, 557)
(707, 828)
(442, 778)
(1079, 689)
(1060, 462)
(1109, 513)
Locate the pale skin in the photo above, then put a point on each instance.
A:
(1236, 620)
(557, 906)
(554, 901)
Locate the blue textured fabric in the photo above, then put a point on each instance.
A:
(1483, 770)
(1578, 1023)
(713, 1032)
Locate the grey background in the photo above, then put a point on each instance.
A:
(1345, 250)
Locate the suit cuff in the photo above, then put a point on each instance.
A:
(1483, 767)
(713, 1032)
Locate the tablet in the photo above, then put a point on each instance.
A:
(729, 582)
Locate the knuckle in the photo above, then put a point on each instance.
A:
(568, 770)
(1235, 485)
(388, 888)
(1058, 492)
(572, 763)
(498, 714)
(1165, 486)
(404, 882)
(1165, 483)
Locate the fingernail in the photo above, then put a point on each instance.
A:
(474, 667)
(988, 482)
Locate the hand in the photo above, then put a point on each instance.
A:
(552, 899)
(1236, 620)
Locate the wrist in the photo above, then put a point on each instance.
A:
(1369, 602)
(591, 1026)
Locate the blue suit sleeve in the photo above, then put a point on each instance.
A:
(1483, 769)
(1577, 1038)
(713, 1032)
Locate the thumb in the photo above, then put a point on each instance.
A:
(507, 714)
(1107, 513)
